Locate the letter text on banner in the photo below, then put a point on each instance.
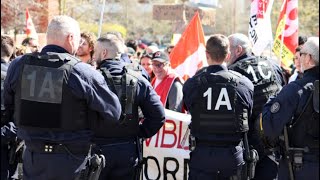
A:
(260, 32)
(164, 153)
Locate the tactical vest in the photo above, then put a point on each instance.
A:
(214, 109)
(261, 73)
(304, 131)
(125, 87)
(43, 100)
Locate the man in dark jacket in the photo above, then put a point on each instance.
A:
(220, 103)
(118, 141)
(295, 114)
(53, 95)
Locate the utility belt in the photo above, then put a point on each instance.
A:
(218, 143)
(194, 142)
(49, 147)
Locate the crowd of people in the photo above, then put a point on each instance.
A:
(81, 106)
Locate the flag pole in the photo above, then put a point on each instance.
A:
(101, 17)
(282, 42)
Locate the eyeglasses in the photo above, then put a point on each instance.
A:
(160, 65)
(145, 54)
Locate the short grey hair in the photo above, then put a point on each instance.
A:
(113, 44)
(312, 47)
(61, 26)
(242, 40)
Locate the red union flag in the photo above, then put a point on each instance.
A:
(286, 39)
(188, 55)
(260, 32)
(30, 29)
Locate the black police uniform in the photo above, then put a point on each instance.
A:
(53, 95)
(220, 103)
(117, 141)
(267, 79)
(284, 110)
(8, 131)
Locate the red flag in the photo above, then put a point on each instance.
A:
(286, 39)
(30, 29)
(188, 55)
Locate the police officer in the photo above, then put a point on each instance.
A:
(117, 141)
(267, 79)
(125, 58)
(290, 112)
(220, 103)
(8, 129)
(54, 95)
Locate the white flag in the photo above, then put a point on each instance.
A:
(260, 31)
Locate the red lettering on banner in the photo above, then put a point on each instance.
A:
(179, 138)
(262, 8)
(168, 132)
(176, 136)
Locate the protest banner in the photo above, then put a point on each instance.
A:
(286, 39)
(166, 154)
(260, 32)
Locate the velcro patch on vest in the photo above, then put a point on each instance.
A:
(275, 107)
(42, 84)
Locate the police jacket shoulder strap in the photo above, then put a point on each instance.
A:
(311, 100)
(134, 66)
(53, 57)
(66, 59)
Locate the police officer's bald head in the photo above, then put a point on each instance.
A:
(217, 49)
(64, 31)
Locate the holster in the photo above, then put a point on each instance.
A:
(251, 157)
(139, 162)
(254, 157)
(97, 163)
(91, 167)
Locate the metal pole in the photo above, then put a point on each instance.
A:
(101, 17)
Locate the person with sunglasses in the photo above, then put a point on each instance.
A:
(146, 63)
(293, 117)
(167, 83)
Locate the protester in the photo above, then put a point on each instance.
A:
(132, 54)
(53, 96)
(297, 74)
(167, 83)
(118, 142)
(169, 49)
(31, 45)
(85, 50)
(133, 44)
(267, 79)
(220, 102)
(146, 63)
(8, 130)
(294, 116)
